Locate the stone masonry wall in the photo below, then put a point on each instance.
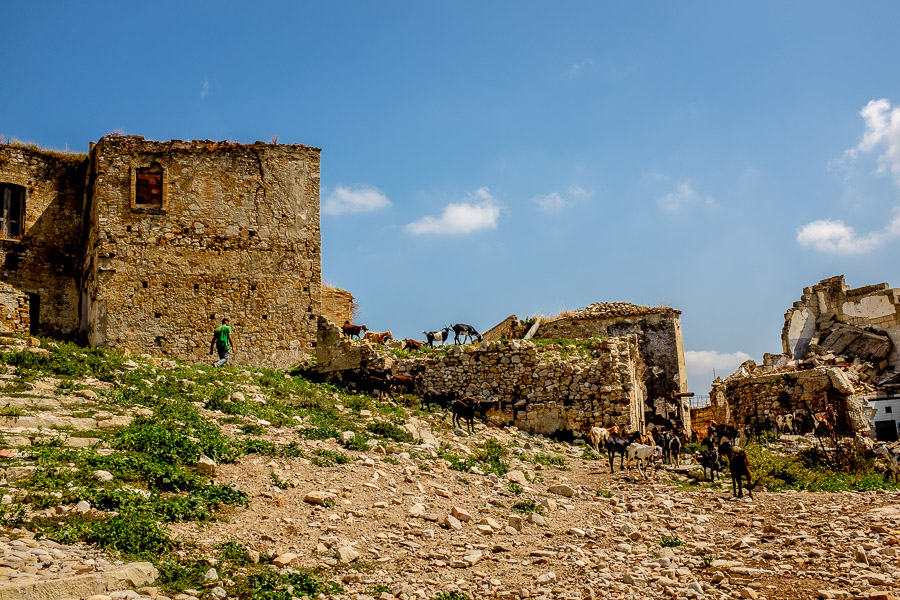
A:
(659, 341)
(745, 401)
(14, 310)
(237, 236)
(45, 261)
(541, 391)
(832, 301)
(337, 304)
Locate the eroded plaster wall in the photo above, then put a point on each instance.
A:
(832, 301)
(45, 260)
(236, 236)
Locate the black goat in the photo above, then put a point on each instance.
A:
(739, 466)
(440, 336)
(467, 331)
(443, 399)
(464, 410)
(709, 459)
(617, 445)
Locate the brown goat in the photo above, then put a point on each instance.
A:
(378, 338)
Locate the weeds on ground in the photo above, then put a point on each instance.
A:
(527, 507)
(670, 542)
(550, 460)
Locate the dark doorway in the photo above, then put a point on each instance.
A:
(886, 431)
(34, 313)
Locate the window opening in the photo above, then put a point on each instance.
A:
(148, 186)
(12, 210)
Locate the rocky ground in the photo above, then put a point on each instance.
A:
(402, 520)
(396, 522)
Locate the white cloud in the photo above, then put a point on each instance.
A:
(580, 66)
(836, 237)
(555, 202)
(461, 218)
(357, 199)
(682, 196)
(204, 91)
(882, 134)
(700, 364)
(551, 202)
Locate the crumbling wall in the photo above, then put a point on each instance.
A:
(749, 399)
(831, 318)
(233, 232)
(337, 304)
(658, 333)
(45, 260)
(542, 391)
(14, 310)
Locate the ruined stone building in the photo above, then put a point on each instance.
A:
(839, 350)
(146, 246)
(657, 331)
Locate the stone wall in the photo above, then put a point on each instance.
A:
(14, 310)
(658, 333)
(236, 234)
(746, 400)
(865, 322)
(540, 390)
(45, 260)
(337, 304)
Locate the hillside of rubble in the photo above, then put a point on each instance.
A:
(128, 477)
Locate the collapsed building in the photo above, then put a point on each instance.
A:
(145, 246)
(608, 364)
(839, 356)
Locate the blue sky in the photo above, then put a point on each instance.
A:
(486, 159)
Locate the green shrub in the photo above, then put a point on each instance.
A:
(670, 542)
(515, 488)
(528, 506)
(389, 431)
(358, 443)
(329, 458)
(319, 433)
(551, 460)
(271, 585)
(253, 429)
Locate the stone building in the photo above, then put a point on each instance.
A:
(540, 387)
(146, 245)
(839, 353)
(658, 334)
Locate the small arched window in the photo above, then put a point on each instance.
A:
(12, 210)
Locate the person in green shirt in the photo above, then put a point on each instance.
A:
(221, 343)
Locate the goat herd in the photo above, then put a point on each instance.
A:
(666, 446)
(461, 331)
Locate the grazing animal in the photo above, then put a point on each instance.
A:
(382, 385)
(350, 329)
(597, 436)
(409, 344)
(642, 452)
(617, 445)
(406, 383)
(709, 459)
(464, 410)
(785, 423)
(466, 331)
(483, 406)
(893, 459)
(443, 399)
(437, 336)
(378, 338)
(671, 447)
(739, 466)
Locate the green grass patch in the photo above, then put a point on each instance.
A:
(527, 507)
(550, 460)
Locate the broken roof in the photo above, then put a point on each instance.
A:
(609, 310)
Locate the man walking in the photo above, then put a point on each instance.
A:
(221, 342)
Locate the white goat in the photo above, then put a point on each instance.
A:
(893, 459)
(596, 437)
(785, 423)
(642, 452)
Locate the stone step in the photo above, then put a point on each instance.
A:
(18, 441)
(33, 423)
(125, 577)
